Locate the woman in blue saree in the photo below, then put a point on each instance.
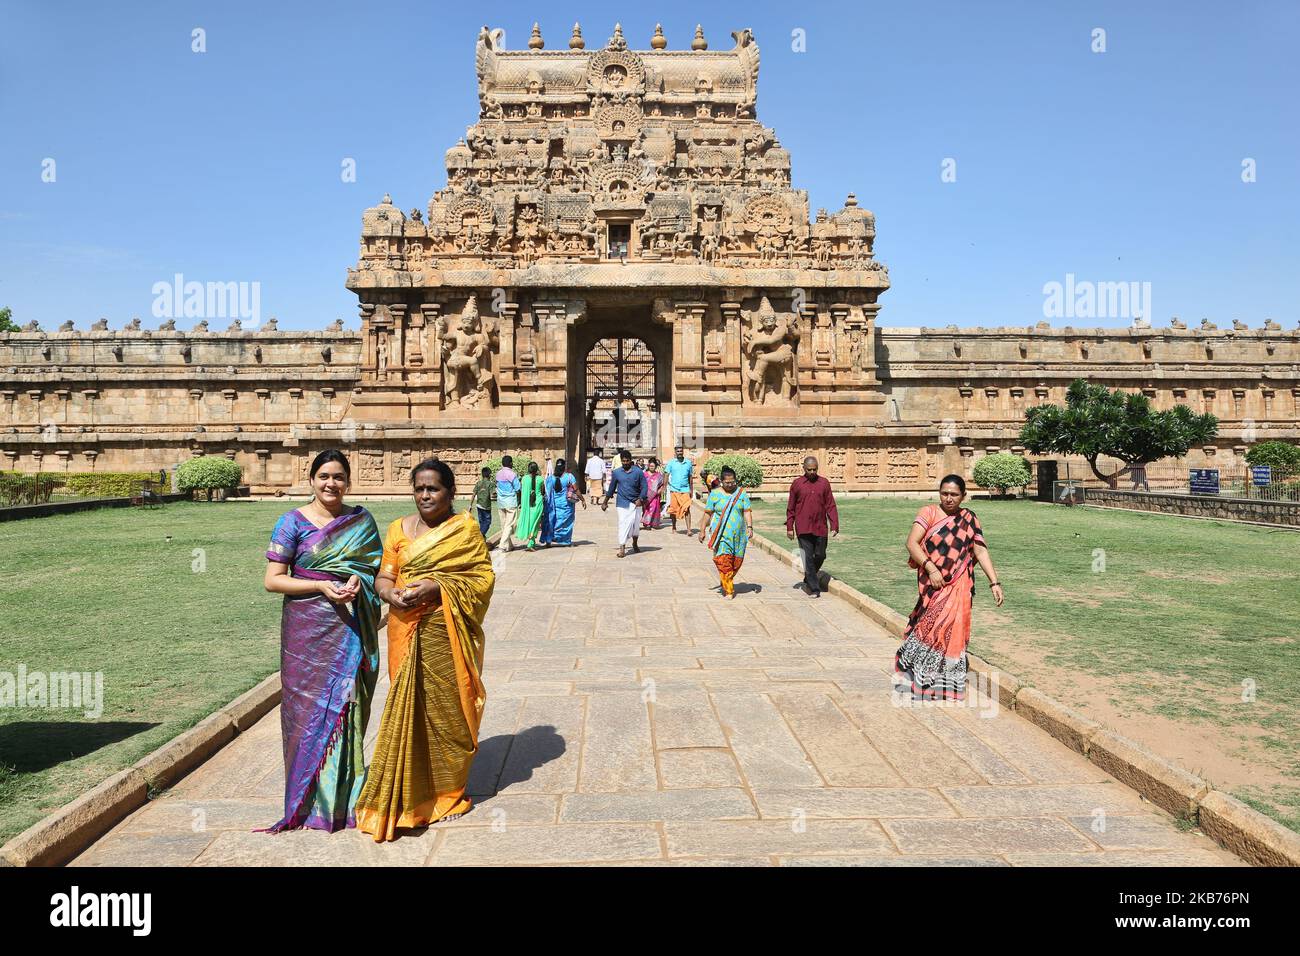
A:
(562, 493)
(550, 488)
(323, 558)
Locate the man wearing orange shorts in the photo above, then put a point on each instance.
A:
(680, 472)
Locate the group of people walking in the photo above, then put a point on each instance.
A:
(535, 508)
(433, 569)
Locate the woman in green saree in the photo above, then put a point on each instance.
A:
(532, 506)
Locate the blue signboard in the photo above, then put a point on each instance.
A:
(1204, 481)
(1261, 475)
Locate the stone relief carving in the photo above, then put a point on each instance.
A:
(768, 342)
(468, 379)
(637, 126)
(371, 469)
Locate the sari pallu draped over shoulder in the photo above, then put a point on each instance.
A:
(428, 734)
(933, 654)
(329, 659)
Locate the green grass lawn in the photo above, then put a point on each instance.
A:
(1148, 622)
(107, 591)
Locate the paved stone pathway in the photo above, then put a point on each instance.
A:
(636, 717)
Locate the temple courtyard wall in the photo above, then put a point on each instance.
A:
(130, 400)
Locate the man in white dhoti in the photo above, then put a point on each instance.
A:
(595, 473)
(629, 488)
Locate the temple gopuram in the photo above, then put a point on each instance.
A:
(618, 258)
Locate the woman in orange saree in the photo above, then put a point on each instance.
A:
(437, 576)
(945, 544)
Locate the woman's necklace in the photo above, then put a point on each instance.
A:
(421, 523)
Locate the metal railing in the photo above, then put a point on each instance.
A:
(1235, 480)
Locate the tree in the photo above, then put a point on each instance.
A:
(7, 323)
(1002, 471)
(1097, 421)
(521, 463)
(749, 473)
(1282, 456)
(208, 473)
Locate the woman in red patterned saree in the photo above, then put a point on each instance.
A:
(945, 544)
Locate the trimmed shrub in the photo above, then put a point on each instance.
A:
(208, 473)
(113, 484)
(1002, 471)
(749, 473)
(17, 489)
(521, 463)
(1282, 456)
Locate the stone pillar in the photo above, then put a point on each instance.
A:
(688, 338)
(869, 313)
(518, 359)
(551, 330)
(377, 334)
(430, 347)
(397, 341)
(730, 311)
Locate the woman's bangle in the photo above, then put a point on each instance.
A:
(994, 584)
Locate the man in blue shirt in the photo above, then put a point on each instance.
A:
(507, 501)
(680, 472)
(629, 485)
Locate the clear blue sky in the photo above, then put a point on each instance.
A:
(224, 166)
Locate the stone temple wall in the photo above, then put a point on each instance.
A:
(134, 400)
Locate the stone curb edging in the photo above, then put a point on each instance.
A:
(45, 509)
(69, 830)
(1243, 831)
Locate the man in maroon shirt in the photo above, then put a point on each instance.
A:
(810, 507)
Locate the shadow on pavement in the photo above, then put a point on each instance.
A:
(518, 755)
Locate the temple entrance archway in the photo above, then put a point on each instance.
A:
(621, 399)
(619, 382)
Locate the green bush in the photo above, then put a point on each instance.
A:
(207, 473)
(749, 473)
(521, 463)
(112, 484)
(18, 489)
(1282, 456)
(1002, 471)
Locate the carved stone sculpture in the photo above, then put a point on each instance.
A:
(769, 347)
(468, 378)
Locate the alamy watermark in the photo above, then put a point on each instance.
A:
(1084, 299)
(75, 908)
(56, 690)
(620, 430)
(179, 299)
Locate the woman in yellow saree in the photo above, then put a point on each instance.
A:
(437, 577)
